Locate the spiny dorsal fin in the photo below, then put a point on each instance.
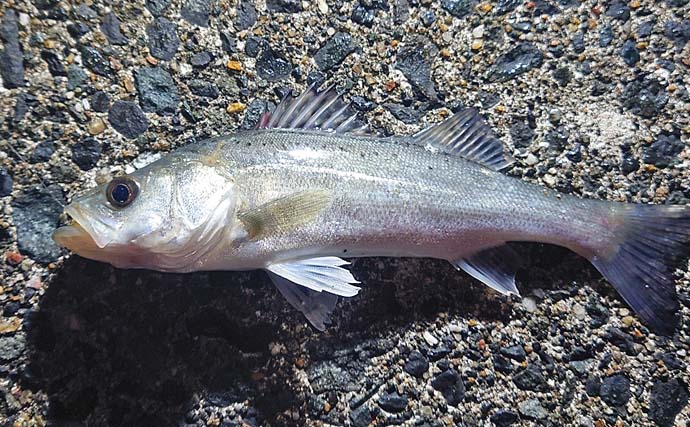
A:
(466, 134)
(325, 110)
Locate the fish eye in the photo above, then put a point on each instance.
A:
(121, 191)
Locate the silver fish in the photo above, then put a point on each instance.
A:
(310, 186)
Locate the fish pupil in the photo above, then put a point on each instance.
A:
(120, 193)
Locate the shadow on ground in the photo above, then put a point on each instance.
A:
(115, 347)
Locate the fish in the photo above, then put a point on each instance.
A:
(311, 186)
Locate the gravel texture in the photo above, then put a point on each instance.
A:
(590, 97)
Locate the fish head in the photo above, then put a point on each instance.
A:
(161, 217)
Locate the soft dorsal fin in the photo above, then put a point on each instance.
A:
(467, 135)
(495, 267)
(325, 110)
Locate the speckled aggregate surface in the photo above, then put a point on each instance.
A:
(590, 97)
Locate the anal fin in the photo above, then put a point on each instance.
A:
(495, 267)
(316, 306)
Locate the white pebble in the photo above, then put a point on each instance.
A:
(430, 339)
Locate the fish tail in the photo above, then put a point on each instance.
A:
(639, 261)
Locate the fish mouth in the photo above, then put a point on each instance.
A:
(78, 236)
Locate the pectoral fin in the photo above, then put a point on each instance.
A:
(284, 214)
(316, 306)
(318, 274)
(495, 267)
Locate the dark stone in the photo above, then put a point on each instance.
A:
(533, 409)
(162, 39)
(99, 101)
(84, 12)
(670, 360)
(55, 65)
(94, 60)
(562, 75)
(22, 106)
(36, 213)
(111, 28)
(579, 42)
(544, 7)
(407, 115)
(201, 59)
(362, 104)
(12, 347)
(361, 417)
(414, 61)
(621, 340)
(645, 98)
(501, 364)
(78, 29)
(5, 182)
(618, 10)
(76, 77)
(252, 46)
(428, 18)
(629, 52)
(521, 134)
(450, 384)
(518, 60)
(246, 15)
(157, 90)
(272, 67)
(127, 118)
(515, 352)
(629, 163)
(86, 153)
(42, 152)
(615, 390)
(328, 376)
(416, 364)
(229, 42)
(363, 15)
(196, 12)
(11, 308)
(203, 88)
(663, 151)
(393, 402)
(605, 35)
(599, 313)
(645, 29)
(593, 385)
(317, 78)
(678, 32)
(253, 114)
(11, 57)
(334, 51)
(459, 8)
(505, 6)
(157, 7)
(401, 11)
(667, 399)
(284, 6)
(438, 353)
(530, 378)
(504, 418)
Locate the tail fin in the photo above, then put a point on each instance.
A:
(651, 240)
